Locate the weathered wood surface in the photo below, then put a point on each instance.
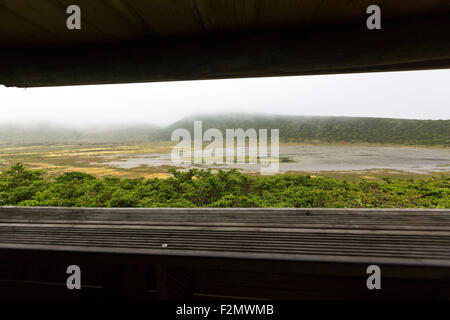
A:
(191, 40)
(31, 22)
(415, 237)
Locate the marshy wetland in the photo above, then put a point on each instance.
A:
(351, 162)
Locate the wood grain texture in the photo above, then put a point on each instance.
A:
(224, 253)
(418, 237)
(112, 20)
(141, 41)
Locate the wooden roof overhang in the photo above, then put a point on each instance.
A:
(123, 41)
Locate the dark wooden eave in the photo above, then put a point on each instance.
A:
(140, 41)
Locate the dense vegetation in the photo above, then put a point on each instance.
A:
(298, 129)
(203, 188)
(332, 129)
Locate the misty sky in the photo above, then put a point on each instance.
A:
(413, 95)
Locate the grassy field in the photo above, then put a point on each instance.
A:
(94, 158)
(89, 159)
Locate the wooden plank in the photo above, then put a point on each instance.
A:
(169, 18)
(139, 19)
(405, 45)
(107, 19)
(223, 278)
(388, 236)
(378, 219)
(47, 19)
(173, 283)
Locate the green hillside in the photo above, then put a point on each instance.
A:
(48, 134)
(299, 129)
(331, 129)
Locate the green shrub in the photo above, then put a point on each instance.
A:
(203, 188)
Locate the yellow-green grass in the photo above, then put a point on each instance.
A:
(94, 159)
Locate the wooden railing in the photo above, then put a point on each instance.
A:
(256, 253)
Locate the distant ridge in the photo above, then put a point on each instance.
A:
(315, 129)
(48, 134)
(301, 129)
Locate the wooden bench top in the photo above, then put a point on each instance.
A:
(416, 237)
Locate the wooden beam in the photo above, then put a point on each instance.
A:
(173, 283)
(404, 45)
(197, 277)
